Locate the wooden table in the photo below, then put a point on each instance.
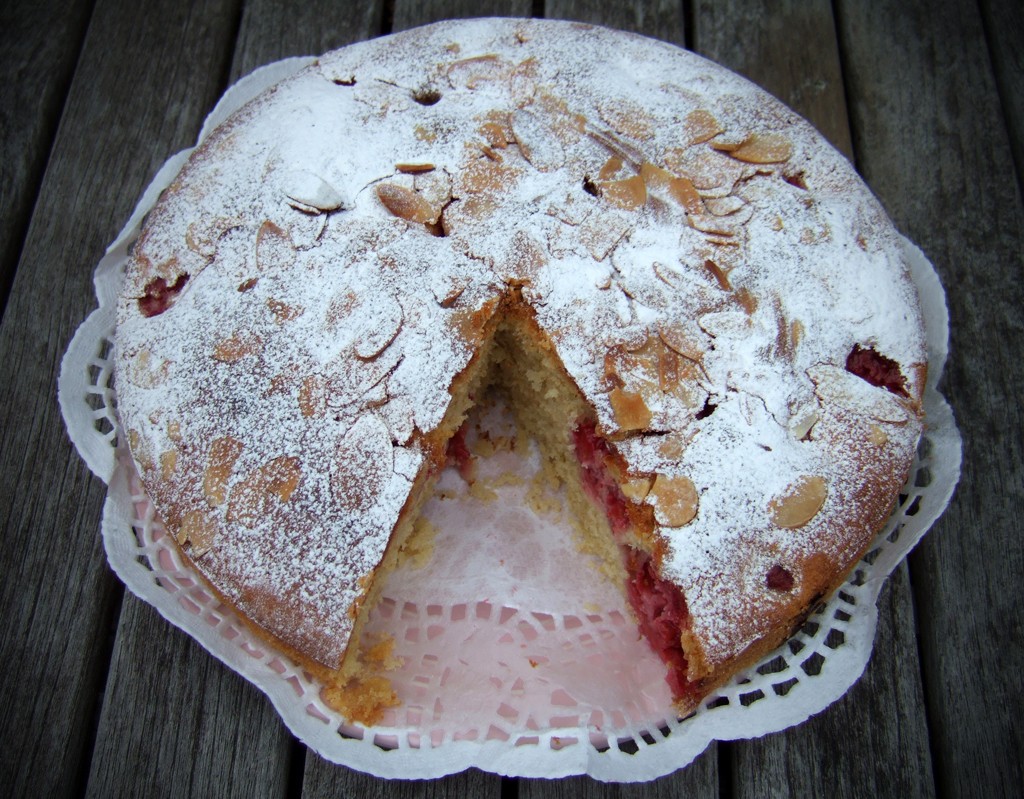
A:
(926, 98)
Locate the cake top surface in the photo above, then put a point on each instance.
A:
(706, 266)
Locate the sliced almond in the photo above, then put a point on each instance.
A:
(628, 193)
(721, 275)
(610, 168)
(199, 530)
(387, 317)
(631, 412)
(145, 371)
(406, 204)
(274, 248)
(877, 436)
(310, 193)
(675, 500)
(168, 463)
(253, 498)
(660, 181)
(537, 141)
(414, 169)
(220, 463)
(799, 503)
(700, 126)
(282, 311)
(763, 148)
(237, 347)
(312, 396)
(637, 488)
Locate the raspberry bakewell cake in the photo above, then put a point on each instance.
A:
(690, 300)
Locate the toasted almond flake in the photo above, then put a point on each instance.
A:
(282, 476)
(720, 274)
(675, 500)
(676, 339)
(763, 148)
(174, 431)
(494, 134)
(537, 141)
(238, 346)
(310, 193)
(637, 488)
(747, 300)
(199, 530)
(145, 371)
(414, 169)
(312, 396)
(628, 193)
(282, 311)
(877, 436)
(700, 126)
(388, 317)
(631, 413)
(406, 204)
(800, 502)
(796, 333)
(168, 463)
(803, 425)
(220, 463)
(724, 206)
(274, 248)
(202, 235)
(610, 168)
(726, 145)
(254, 497)
(683, 192)
(712, 225)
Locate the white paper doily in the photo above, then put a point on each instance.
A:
(492, 681)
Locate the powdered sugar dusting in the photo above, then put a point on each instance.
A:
(322, 324)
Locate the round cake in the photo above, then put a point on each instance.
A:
(690, 299)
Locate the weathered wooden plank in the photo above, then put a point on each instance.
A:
(792, 52)
(931, 139)
(176, 722)
(57, 593)
(408, 14)
(662, 19)
(39, 43)
(1004, 33)
(337, 781)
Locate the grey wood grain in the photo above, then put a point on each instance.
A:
(39, 43)
(57, 594)
(931, 139)
(875, 740)
(1004, 32)
(323, 781)
(176, 722)
(410, 13)
(662, 19)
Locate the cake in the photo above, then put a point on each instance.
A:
(691, 301)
